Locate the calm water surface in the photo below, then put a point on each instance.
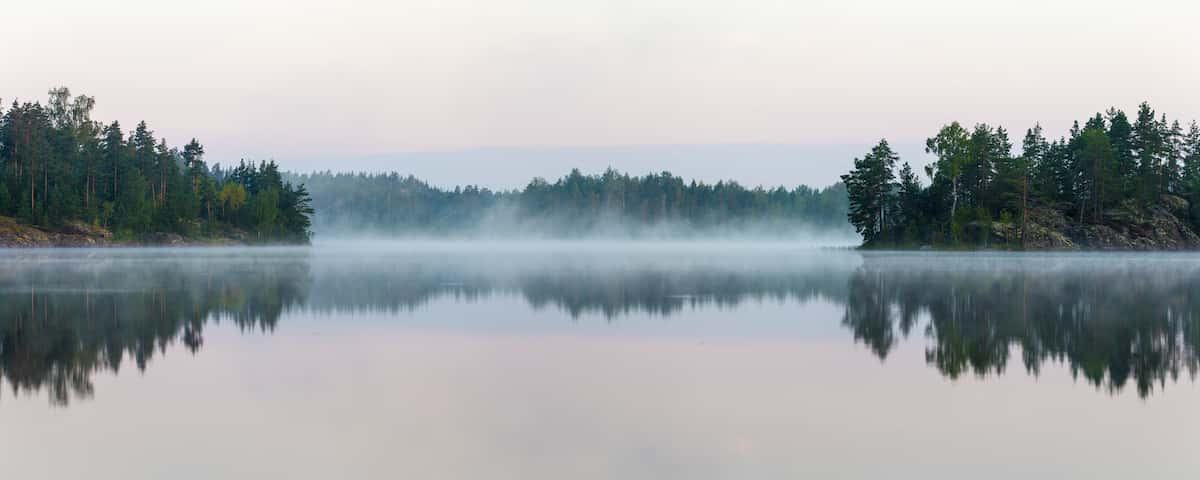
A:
(552, 361)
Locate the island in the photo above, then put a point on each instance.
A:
(68, 180)
(1111, 184)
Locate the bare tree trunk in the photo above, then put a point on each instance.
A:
(953, 197)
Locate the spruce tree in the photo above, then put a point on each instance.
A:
(58, 166)
(1191, 157)
(869, 186)
(1120, 134)
(1147, 142)
(1034, 147)
(910, 207)
(1173, 158)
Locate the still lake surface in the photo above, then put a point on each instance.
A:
(532, 361)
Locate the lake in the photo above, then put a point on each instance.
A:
(594, 360)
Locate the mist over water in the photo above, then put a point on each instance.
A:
(979, 310)
(608, 206)
(729, 240)
(524, 235)
(742, 358)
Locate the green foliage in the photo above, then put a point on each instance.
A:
(264, 211)
(573, 205)
(1190, 150)
(953, 148)
(133, 207)
(57, 165)
(976, 178)
(1097, 184)
(870, 191)
(232, 196)
(983, 226)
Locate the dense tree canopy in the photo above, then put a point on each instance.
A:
(576, 204)
(57, 165)
(1103, 166)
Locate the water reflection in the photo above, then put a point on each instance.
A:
(63, 320)
(578, 286)
(1112, 320)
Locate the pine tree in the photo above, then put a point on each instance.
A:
(1147, 142)
(1173, 157)
(57, 165)
(1005, 194)
(910, 207)
(1034, 148)
(1097, 172)
(978, 172)
(870, 187)
(115, 155)
(1191, 157)
(1120, 134)
(1103, 161)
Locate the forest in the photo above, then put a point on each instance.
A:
(58, 167)
(572, 206)
(1112, 171)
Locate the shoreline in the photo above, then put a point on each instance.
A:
(18, 236)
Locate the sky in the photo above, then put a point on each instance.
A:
(426, 86)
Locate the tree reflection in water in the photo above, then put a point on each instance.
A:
(61, 322)
(1112, 320)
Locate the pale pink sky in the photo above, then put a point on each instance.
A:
(310, 79)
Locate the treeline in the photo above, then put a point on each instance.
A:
(57, 165)
(574, 205)
(1107, 163)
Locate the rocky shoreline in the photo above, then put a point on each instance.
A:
(1160, 227)
(80, 235)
